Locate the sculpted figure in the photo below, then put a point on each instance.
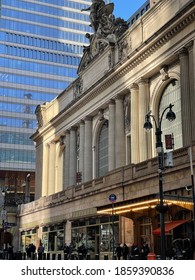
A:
(94, 13)
(106, 28)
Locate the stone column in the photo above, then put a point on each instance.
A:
(51, 171)
(67, 159)
(134, 120)
(111, 136)
(119, 132)
(59, 164)
(73, 157)
(81, 152)
(88, 150)
(185, 96)
(143, 101)
(191, 50)
(45, 170)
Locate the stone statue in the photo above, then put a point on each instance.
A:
(107, 30)
(94, 13)
(103, 21)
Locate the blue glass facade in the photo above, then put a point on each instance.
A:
(41, 44)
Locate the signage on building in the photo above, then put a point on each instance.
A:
(168, 159)
(112, 197)
(3, 215)
(169, 141)
(78, 177)
(9, 225)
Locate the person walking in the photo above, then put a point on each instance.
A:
(32, 249)
(10, 252)
(134, 252)
(40, 251)
(144, 251)
(118, 251)
(125, 250)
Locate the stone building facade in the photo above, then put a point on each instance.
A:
(90, 141)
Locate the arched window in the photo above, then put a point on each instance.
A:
(102, 157)
(172, 95)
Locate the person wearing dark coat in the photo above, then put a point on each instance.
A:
(40, 251)
(134, 252)
(119, 251)
(10, 252)
(125, 251)
(144, 251)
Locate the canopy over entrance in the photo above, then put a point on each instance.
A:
(146, 202)
(169, 226)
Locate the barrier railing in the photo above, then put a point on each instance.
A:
(50, 256)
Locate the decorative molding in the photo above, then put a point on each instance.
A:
(143, 81)
(88, 118)
(106, 81)
(164, 73)
(134, 86)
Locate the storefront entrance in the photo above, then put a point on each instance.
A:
(98, 235)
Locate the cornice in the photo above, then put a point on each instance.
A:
(146, 49)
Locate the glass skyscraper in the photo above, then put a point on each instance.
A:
(41, 43)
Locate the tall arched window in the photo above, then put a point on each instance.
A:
(172, 95)
(102, 157)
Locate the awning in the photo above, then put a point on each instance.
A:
(169, 226)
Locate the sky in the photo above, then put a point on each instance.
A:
(126, 8)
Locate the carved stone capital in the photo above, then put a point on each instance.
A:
(81, 123)
(73, 128)
(134, 86)
(88, 118)
(189, 45)
(143, 81)
(67, 132)
(111, 102)
(183, 52)
(119, 97)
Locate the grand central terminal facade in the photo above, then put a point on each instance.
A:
(91, 144)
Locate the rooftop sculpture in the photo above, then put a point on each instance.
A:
(107, 29)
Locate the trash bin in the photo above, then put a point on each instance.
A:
(151, 256)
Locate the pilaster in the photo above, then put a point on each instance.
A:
(111, 135)
(88, 149)
(185, 96)
(143, 100)
(73, 156)
(120, 132)
(191, 51)
(134, 120)
(81, 150)
(51, 173)
(67, 159)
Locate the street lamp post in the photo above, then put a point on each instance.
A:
(4, 192)
(27, 189)
(4, 214)
(161, 208)
(193, 198)
(112, 198)
(192, 188)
